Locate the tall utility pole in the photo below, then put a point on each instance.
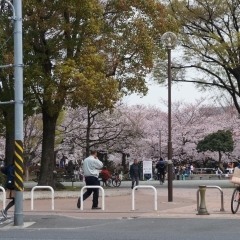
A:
(18, 99)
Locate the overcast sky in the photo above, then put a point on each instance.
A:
(184, 91)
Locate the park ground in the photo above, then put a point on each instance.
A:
(172, 220)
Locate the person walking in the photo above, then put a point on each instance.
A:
(9, 186)
(135, 172)
(91, 168)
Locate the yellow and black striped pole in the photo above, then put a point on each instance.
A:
(18, 160)
(18, 118)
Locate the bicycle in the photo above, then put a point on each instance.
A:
(107, 182)
(235, 200)
(161, 178)
(116, 181)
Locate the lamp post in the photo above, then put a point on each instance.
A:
(169, 41)
(160, 143)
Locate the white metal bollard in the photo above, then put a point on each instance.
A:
(4, 196)
(103, 195)
(133, 196)
(42, 187)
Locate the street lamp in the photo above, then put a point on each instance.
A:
(169, 40)
(160, 143)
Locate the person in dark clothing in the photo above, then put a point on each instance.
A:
(161, 167)
(9, 185)
(70, 167)
(135, 173)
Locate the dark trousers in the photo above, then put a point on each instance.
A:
(92, 181)
(135, 179)
(162, 175)
(10, 204)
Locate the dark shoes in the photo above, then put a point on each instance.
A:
(4, 213)
(78, 203)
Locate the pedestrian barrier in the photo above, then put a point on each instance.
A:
(222, 202)
(103, 195)
(4, 196)
(42, 187)
(133, 196)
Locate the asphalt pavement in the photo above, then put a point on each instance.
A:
(129, 229)
(176, 183)
(176, 220)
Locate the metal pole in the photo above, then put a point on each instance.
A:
(170, 187)
(202, 210)
(160, 143)
(18, 85)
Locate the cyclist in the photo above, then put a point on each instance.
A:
(161, 169)
(105, 175)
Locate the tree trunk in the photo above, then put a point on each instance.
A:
(124, 160)
(47, 161)
(9, 147)
(88, 134)
(220, 157)
(9, 141)
(26, 171)
(205, 163)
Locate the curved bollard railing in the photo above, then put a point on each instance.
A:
(133, 196)
(221, 191)
(4, 196)
(103, 195)
(42, 187)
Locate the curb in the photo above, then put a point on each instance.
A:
(72, 194)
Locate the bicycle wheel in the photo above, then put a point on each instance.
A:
(161, 179)
(116, 182)
(109, 182)
(235, 200)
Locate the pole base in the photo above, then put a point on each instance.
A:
(204, 212)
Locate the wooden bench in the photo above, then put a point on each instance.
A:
(64, 177)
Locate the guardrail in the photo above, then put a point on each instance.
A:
(103, 195)
(133, 196)
(4, 196)
(221, 191)
(42, 187)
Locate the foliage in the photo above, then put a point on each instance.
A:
(88, 55)
(106, 131)
(220, 141)
(209, 39)
(6, 81)
(32, 139)
(133, 132)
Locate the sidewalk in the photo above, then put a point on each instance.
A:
(118, 204)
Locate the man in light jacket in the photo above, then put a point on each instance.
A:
(91, 167)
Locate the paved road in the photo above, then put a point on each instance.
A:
(176, 184)
(55, 227)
